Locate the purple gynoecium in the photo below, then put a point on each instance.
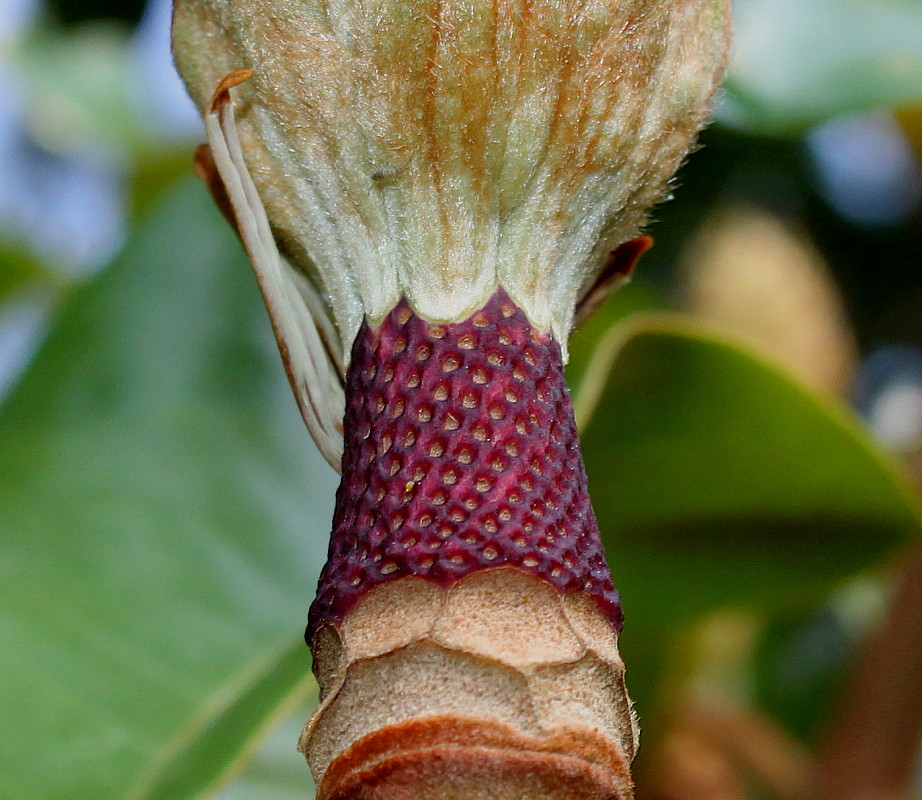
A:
(461, 454)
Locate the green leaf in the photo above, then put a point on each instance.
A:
(635, 297)
(719, 479)
(163, 519)
(206, 751)
(799, 670)
(19, 270)
(272, 773)
(795, 63)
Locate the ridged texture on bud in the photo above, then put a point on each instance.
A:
(461, 454)
(437, 149)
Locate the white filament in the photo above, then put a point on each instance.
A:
(306, 336)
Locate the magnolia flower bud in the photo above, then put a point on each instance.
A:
(429, 193)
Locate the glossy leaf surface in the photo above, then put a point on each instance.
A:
(719, 479)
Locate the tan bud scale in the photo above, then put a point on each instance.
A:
(495, 687)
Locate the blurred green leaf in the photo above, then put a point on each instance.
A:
(78, 85)
(161, 526)
(272, 773)
(795, 64)
(19, 269)
(719, 479)
(633, 298)
(799, 670)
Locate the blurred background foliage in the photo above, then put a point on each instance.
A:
(751, 407)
